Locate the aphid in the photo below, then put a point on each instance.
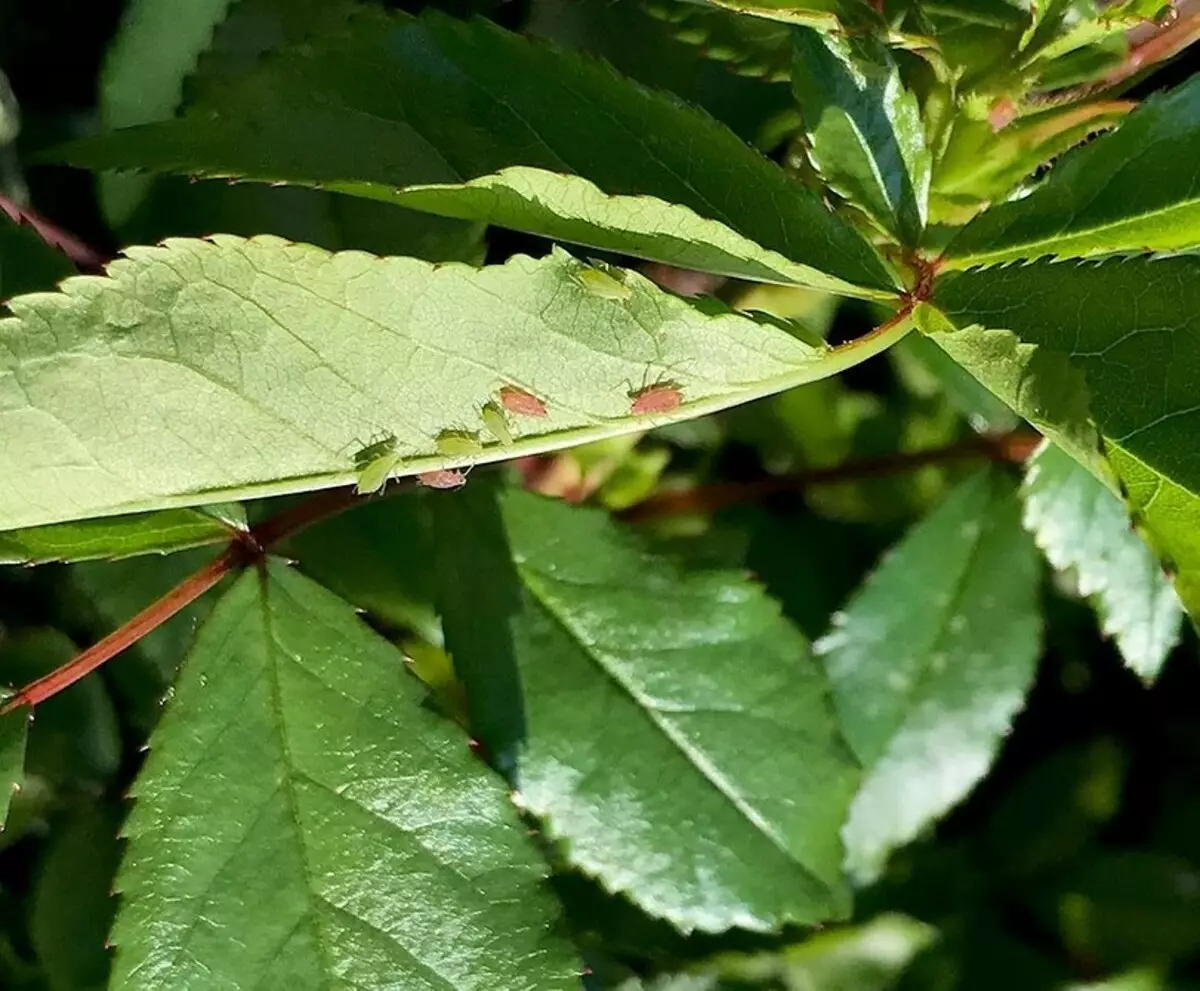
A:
(599, 283)
(497, 423)
(443, 478)
(662, 397)
(374, 464)
(458, 443)
(517, 400)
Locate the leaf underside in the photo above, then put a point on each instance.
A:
(363, 846)
(1080, 524)
(680, 743)
(927, 687)
(259, 367)
(402, 102)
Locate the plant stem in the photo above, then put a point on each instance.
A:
(1010, 448)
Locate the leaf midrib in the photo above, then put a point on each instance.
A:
(538, 587)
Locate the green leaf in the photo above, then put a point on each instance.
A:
(72, 902)
(218, 358)
(1121, 339)
(1125, 192)
(115, 537)
(439, 101)
(377, 556)
(155, 50)
(864, 128)
(826, 15)
(13, 730)
(27, 263)
(1081, 524)
(358, 837)
(680, 744)
(927, 685)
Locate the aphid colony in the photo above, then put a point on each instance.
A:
(375, 462)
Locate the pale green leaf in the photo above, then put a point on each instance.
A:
(824, 15)
(864, 128)
(156, 48)
(399, 102)
(27, 263)
(114, 537)
(1131, 190)
(680, 743)
(569, 208)
(259, 367)
(1081, 525)
(927, 685)
(1121, 342)
(356, 842)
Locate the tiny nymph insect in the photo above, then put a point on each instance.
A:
(662, 397)
(521, 401)
(374, 463)
(598, 282)
(443, 478)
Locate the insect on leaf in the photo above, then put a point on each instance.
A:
(600, 283)
(496, 423)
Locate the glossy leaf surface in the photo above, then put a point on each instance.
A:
(680, 741)
(359, 837)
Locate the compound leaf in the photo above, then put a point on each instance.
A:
(238, 367)
(1082, 525)
(679, 739)
(360, 835)
(1124, 338)
(927, 685)
(1132, 190)
(399, 102)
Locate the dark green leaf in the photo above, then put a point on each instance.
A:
(359, 837)
(1082, 525)
(13, 730)
(73, 904)
(399, 103)
(1120, 343)
(680, 742)
(864, 128)
(478, 596)
(75, 739)
(218, 359)
(1128, 191)
(115, 537)
(27, 263)
(379, 556)
(927, 685)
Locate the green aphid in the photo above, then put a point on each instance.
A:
(458, 443)
(497, 423)
(374, 464)
(599, 283)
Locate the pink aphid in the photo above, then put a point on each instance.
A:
(517, 400)
(443, 478)
(660, 398)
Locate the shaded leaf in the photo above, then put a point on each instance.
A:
(927, 686)
(864, 128)
(156, 48)
(27, 263)
(1080, 524)
(1128, 191)
(72, 901)
(362, 833)
(425, 97)
(1124, 337)
(13, 730)
(379, 556)
(680, 743)
(114, 537)
(218, 359)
